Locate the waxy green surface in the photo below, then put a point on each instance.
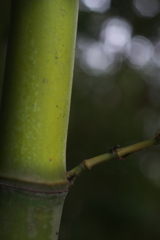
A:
(30, 216)
(36, 95)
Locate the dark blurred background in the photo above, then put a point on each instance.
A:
(115, 100)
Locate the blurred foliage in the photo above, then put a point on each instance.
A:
(113, 103)
(118, 199)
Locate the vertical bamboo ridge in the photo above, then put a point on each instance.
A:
(37, 88)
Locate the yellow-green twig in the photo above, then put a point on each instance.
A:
(118, 153)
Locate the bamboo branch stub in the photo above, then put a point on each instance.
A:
(118, 153)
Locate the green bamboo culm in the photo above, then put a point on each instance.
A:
(34, 117)
(36, 92)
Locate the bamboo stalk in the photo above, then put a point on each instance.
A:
(36, 93)
(34, 116)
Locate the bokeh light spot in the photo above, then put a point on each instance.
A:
(139, 51)
(97, 6)
(95, 60)
(147, 8)
(156, 56)
(116, 34)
